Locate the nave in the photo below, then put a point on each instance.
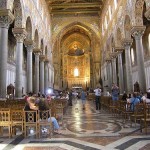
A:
(85, 129)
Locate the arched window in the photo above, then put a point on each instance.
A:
(132, 56)
(76, 72)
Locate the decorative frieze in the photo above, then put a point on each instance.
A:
(6, 18)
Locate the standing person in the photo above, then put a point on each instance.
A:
(98, 98)
(115, 93)
(70, 98)
(83, 98)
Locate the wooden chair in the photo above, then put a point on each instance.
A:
(58, 113)
(5, 120)
(45, 121)
(30, 121)
(17, 119)
(126, 112)
(138, 113)
(146, 118)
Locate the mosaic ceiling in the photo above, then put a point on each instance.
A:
(74, 7)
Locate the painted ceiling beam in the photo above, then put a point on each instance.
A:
(76, 5)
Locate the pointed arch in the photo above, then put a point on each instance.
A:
(29, 28)
(127, 27)
(42, 47)
(119, 37)
(36, 39)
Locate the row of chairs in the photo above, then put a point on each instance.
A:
(25, 120)
(121, 108)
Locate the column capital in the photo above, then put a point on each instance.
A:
(29, 44)
(113, 55)
(127, 42)
(47, 60)
(138, 31)
(20, 34)
(147, 14)
(37, 50)
(119, 49)
(108, 60)
(42, 57)
(6, 18)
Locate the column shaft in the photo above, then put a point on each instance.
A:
(114, 70)
(121, 84)
(29, 69)
(3, 60)
(46, 76)
(36, 81)
(20, 35)
(42, 77)
(128, 68)
(137, 33)
(6, 19)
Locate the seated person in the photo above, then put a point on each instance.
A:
(43, 106)
(133, 101)
(31, 106)
(146, 97)
(124, 96)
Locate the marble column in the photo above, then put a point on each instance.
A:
(29, 45)
(20, 35)
(6, 18)
(137, 33)
(127, 46)
(120, 69)
(42, 59)
(36, 71)
(46, 74)
(114, 70)
(109, 73)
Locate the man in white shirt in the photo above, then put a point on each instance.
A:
(98, 98)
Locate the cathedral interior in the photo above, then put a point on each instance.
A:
(76, 44)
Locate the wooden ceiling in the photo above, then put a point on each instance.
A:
(75, 7)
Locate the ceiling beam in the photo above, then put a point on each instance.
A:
(75, 12)
(76, 5)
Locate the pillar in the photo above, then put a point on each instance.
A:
(46, 74)
(137, 33)
(6, 18)
(120, 69)
(42, 59)
(109, 73)
(127, 46)
(20, 35)
(114, 70)
(36, 71)
(29, 45)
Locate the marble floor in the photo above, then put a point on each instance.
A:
(85, 130)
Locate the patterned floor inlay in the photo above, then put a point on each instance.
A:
(43, 148)
(85, 130)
